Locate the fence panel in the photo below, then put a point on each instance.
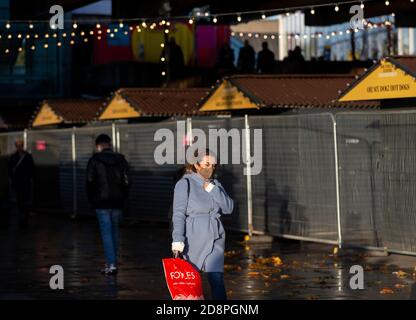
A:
(152, 184)
(52, 154)
(296, 190)
(377, 167)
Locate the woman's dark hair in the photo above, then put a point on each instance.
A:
(189, 167)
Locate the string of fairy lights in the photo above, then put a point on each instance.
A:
(85, 31)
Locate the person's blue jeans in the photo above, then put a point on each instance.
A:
(216, 281)
(109, 220)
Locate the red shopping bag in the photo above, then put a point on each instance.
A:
(183, 280)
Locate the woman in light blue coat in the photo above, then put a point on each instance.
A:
(198, 233)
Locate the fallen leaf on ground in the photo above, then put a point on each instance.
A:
(284, 276)
(400, 274)
(253, 274)
(386, 291)
(400, 286)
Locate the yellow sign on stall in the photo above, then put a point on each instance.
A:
(119, 108)
(386, 81)
(46, 116)
(227, 97)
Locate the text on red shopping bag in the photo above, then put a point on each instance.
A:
(183, 280)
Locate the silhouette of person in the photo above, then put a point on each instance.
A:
(246, 58)
(21, 172)
(265, 60)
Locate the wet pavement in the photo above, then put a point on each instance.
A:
(280, 270)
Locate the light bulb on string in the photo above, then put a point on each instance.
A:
(36, 36)
(33, 48)
(82, 33)
(91, 33)
(312, 11)
(215, 20)
(72, 42)
(362, 5)
(55, 35)
(85, 39)
(59, 44)
(28, 36)
(75, 25)
(9, 36)
(336, 8)
(19, 36)
(99, 38)
(387, 3)
(163, 59)
(20, 49)
(6, 51)
(121, 25)
(111, 35)
(239, 18)
(163, 73)
(8, 25)
(98, 26)
(46, 46)
(263, 16)
(191, 21)
(162, 45)
(131, 28)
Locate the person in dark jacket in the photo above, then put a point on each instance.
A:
(21, 171)
(246, 58)
(265, 60)
(107, 190)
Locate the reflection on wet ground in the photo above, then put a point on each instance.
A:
(280, 270)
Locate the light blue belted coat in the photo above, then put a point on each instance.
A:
(196, 222)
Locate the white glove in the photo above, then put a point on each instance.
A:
(209, 186)
(178, 246)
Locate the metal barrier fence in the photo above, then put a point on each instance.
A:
(346, 179)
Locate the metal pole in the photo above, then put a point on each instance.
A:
(248, 172)
(118, 140)
(74, 174)
(25, 139)
(334, 124)
(113, 135)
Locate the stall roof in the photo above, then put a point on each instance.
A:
(389, 78)
(58, 111)
(282, 91)
(148, 102)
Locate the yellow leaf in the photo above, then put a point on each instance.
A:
(284, 276)
(400, 274)
(246, 238)
(277, 261)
